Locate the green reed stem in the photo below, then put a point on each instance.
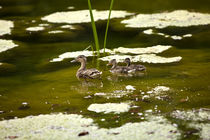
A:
(94, 29)
(107, 25)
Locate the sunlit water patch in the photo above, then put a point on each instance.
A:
(82, 16)
(178, 18)
(5, 27)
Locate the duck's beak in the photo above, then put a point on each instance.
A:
(108, 64)
(73, 61)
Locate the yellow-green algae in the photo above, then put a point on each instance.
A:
(62, 126)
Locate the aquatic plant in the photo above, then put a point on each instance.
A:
(94, 29)
(107, 25)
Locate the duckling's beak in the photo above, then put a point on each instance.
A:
(73, 61)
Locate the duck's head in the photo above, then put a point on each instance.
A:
(127, 61)
(112, 62)
(80, 58)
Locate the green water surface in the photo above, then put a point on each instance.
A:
(53, 87)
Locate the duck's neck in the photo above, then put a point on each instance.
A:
(114, 65)
(83, 65)
(128, 64)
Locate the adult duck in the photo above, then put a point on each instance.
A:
(133, 67)
(115, 68)
(82, 72)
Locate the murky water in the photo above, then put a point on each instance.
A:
(27, 75)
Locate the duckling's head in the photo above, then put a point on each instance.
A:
(80, 58)
(112, 62)
(127, 61)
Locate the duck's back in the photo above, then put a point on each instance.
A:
(119, 69)
(89, 73)
(137, 67)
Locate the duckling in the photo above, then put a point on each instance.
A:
(117, 69)
(132, 67)
(82, 72)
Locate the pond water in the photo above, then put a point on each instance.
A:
(31, 84)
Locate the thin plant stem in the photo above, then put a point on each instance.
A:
(107, 25)
(94, 28)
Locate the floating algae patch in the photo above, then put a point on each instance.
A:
(43, 25)
(174, 37)
(34, 29)
(147, 58)
(83, 16)
(148, 32)
(187, 35)
(192, 115)
(153, 49)
(74, 126)
(204, 129)
(159, 92)
(178, 18)
(5, 27)
(109, 108)
(6, 45)
(130, 88)
(198, 119)
(55, 32)
(77, 53)
(116, 93)
(68, 27)
(159, 89)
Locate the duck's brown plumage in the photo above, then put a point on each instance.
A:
(132, 67)
(115, 68)
(82, 72)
